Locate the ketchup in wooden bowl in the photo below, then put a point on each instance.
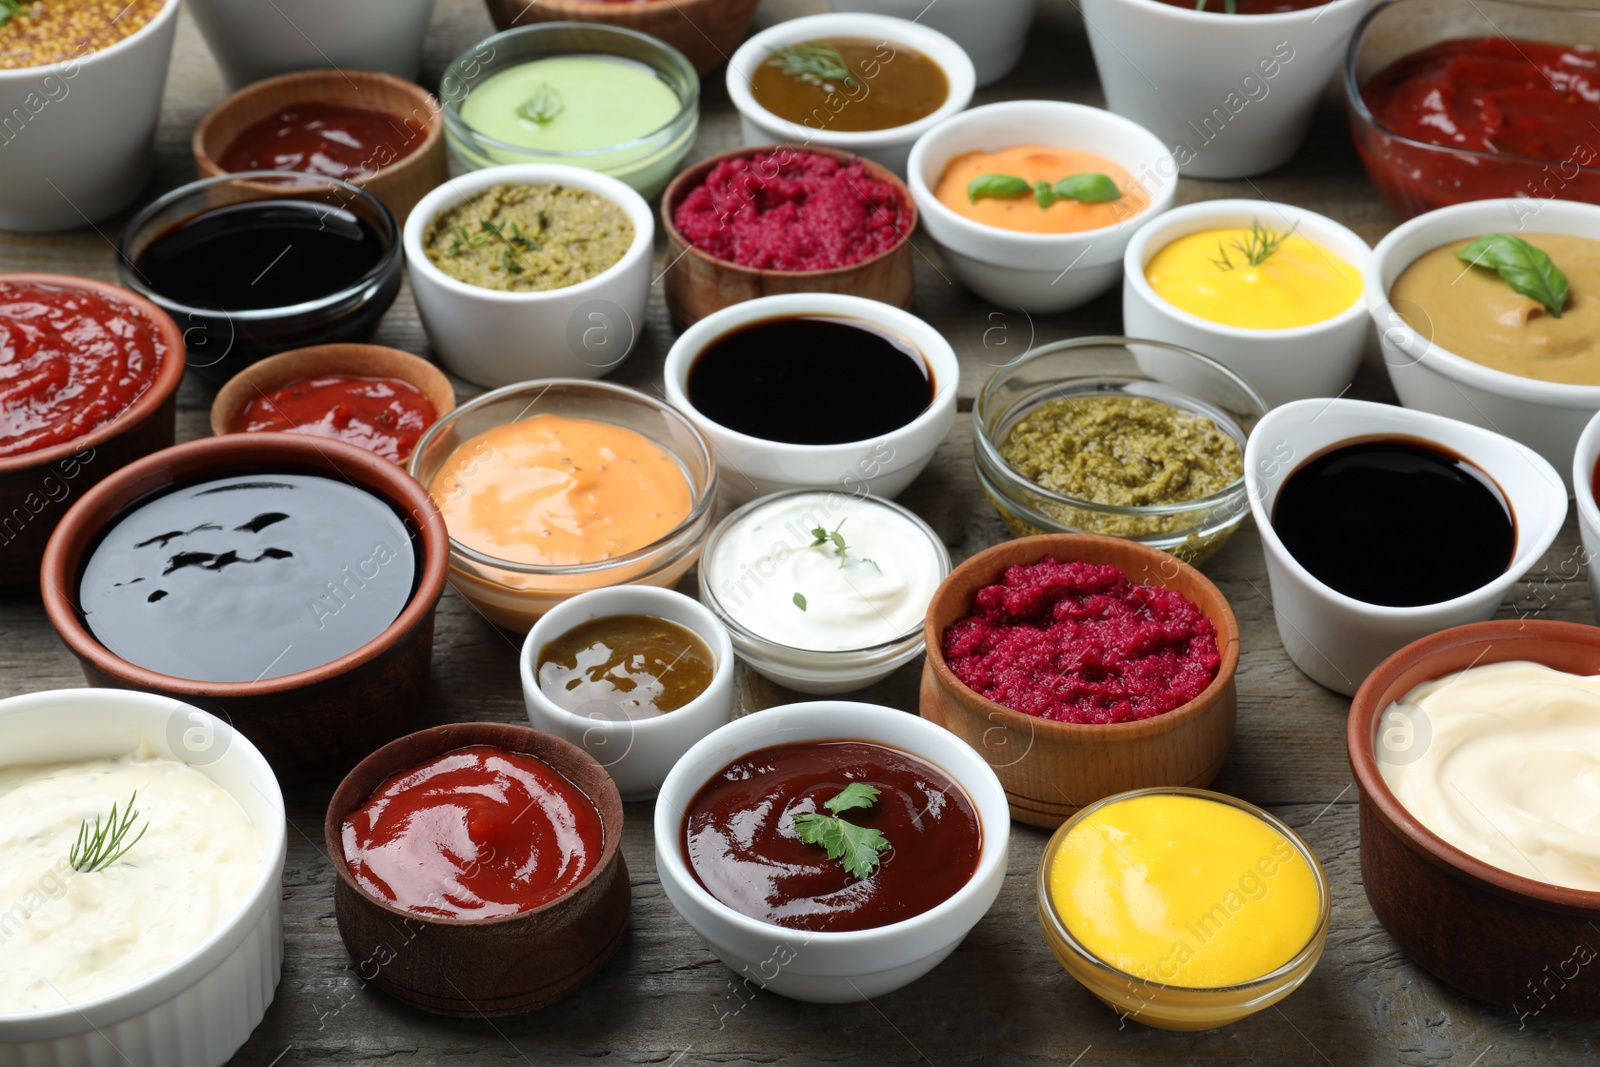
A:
(381, 415)
(832, 836)
(475, 833)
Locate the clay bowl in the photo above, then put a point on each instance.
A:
(310, 724)
(483, 967)
(36, 487)
(697, 283)
(368, 361)
(705, 31)
(1052, 769)
(1519, 944)
(399, 184)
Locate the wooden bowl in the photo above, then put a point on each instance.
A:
(310, 724)
(37, 488)
(1052, 769)
(483, 967)
(697, 283)
(705, 31)
(369, 361)
(399, 184)
(1519, 944)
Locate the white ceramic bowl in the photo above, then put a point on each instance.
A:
(889, 147)
(1545, 416)
(993, 32)
(1231, 95)
(253, 40)
(1042, 272)
(198, 1011)
(820, 672)
(1338, 640)
(637, 753)
(494, 338)
(754, 467)
(1282, 365)
(875, 961)
(67, 165)
(1584, 459)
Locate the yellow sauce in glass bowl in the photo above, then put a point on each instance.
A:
(1210, 275)
(1182, 909)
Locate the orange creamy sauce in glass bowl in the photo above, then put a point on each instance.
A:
(1037, 163)
(554, 491)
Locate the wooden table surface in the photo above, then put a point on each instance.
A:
(1001, 997)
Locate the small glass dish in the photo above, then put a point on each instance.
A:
(1172, 1007)
(646, 163)
(808, 670)
(1414, 176)
(221, 341)
(514, 595)
(1192, 530)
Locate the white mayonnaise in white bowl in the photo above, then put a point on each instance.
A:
(823, 591)
(198, 1008)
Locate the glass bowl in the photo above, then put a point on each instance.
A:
(1192, 530)
(221, 341)
(645, 163)
(1414, 176)
(1171, 1007)
(514, 595)
(817, 671)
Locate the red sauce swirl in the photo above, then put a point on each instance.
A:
(475, 833)
(381, 415)
(740, 841)
(1493, 94)
(339, 140)
(71, 360)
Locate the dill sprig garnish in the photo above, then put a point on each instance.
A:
(9, 8)
(100, 846)
(1256, 248)
(812, 62)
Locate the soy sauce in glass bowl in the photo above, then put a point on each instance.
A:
(257, 263)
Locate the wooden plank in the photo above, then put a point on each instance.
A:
(1001, 997)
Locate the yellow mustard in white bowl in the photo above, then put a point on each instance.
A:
(1254, 277)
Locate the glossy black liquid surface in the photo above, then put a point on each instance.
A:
(248, 577)
(811, 380)
(261, 254)
(1395, 521)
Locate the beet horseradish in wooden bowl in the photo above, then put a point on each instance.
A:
(284, 583)
(529, 900)
(1476, 853)
(98, 374)
(989, 620)
(785, 219)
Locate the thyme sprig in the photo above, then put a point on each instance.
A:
(103, 844)
(1256, 248)
(9, 8)
(821, 536)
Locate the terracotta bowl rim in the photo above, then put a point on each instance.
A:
(162, 388)
(1069, 547)
(690, 178)
(224, 454)
(1365, 710)
(340, 358)
(433, 137)
(461, 735)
